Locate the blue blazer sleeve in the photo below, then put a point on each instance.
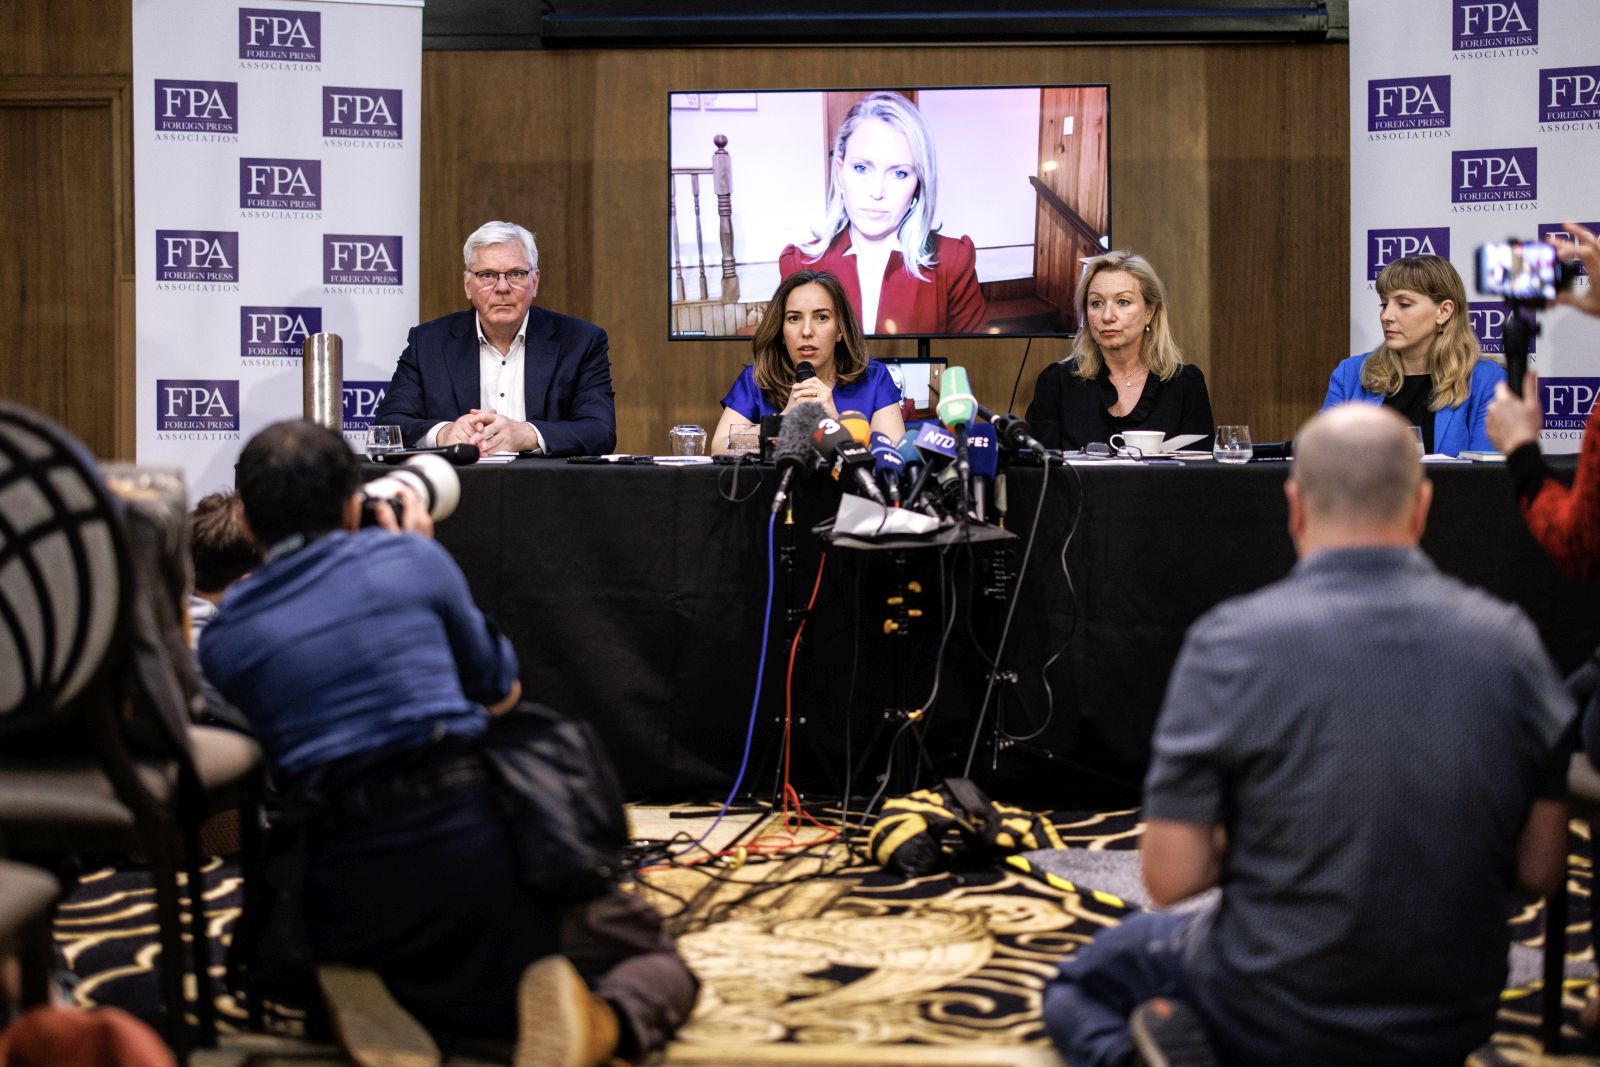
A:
(1466, 427)
(568, 385)
(1345, 383)
(405, 402)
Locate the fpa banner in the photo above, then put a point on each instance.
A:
(276, 168)
(1475, 121)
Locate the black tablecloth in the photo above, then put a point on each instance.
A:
(634, 597)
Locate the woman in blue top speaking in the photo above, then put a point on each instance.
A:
(1429, 367)
(816, 326)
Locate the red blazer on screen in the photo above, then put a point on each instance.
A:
(948, 302)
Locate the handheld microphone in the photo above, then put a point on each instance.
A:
(804, 371)
(888, 465)
(792, 452)
(985, 464)
(833, 442)
(459, 454)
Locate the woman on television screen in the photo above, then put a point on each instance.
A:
(879, 235)
(808, 320)
(1125, 371)
(1429, 367)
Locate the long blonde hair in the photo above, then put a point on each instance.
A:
(1454, 350)
(1159, 353)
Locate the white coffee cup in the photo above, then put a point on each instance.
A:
(1148, 442)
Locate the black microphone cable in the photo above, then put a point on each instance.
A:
(1005, 630)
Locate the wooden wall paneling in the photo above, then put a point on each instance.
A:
(1280, 223)
(66, 37)
(67, 233)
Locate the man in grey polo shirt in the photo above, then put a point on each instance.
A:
(1365, 758)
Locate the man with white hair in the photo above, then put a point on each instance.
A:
(1366, 757)
(504, 376)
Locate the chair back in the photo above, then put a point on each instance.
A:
(65, 584)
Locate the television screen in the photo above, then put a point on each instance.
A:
(945, 212)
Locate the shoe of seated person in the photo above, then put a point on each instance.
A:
(1168, 1033)
(560, 1023)
(372, 1027)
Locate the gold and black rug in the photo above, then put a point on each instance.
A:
(817, 957)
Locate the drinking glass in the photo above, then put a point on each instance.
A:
(687, 440)
(1416, 432)
(381, 439)
(1232, 445)
(744, 439)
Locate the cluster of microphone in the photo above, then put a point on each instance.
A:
(945, 469)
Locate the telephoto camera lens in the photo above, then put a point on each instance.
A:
(432, 478)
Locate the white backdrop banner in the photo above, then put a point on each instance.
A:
(276, 189)
(1474, 121)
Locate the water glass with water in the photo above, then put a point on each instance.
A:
(1232, 445)
(381, 439)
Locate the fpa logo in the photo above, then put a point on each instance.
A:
(361, 400)
(1490, 175)
(1569, 94)
(1495, 24)
(1408, 104)
(276, 332)
(1386, 246)
(361, 259)
(198, 405)
(197, 256)
(281, 36)
(1488, 320)
(361, 114)
(197, 107)
(1567, 402)
(280, 184)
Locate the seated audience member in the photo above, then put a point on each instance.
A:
(1125, 371)
(369, 678)
(1365, 757)
(223, 552)
(815, 326)
(880, 235)
(505, 376)
(1429, 367)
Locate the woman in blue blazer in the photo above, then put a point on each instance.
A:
(1429, 367)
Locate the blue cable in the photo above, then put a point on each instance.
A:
(755, 701)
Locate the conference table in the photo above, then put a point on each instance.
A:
(636, 597)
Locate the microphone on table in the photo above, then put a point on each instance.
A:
(985, 444)
(957, 410)
(834, 443)
(1014, 433)
(459, 454)
(792, 453)
(887, 465)
(858, 426)
(1012, 430)
(936, 448)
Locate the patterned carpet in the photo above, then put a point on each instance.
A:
(820, 958)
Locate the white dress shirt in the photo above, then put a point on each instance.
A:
(500, 382)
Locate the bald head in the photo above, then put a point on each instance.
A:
(1356, 476)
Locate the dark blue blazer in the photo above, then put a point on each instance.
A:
(566, 381)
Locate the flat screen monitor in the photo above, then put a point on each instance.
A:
(945, 212)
